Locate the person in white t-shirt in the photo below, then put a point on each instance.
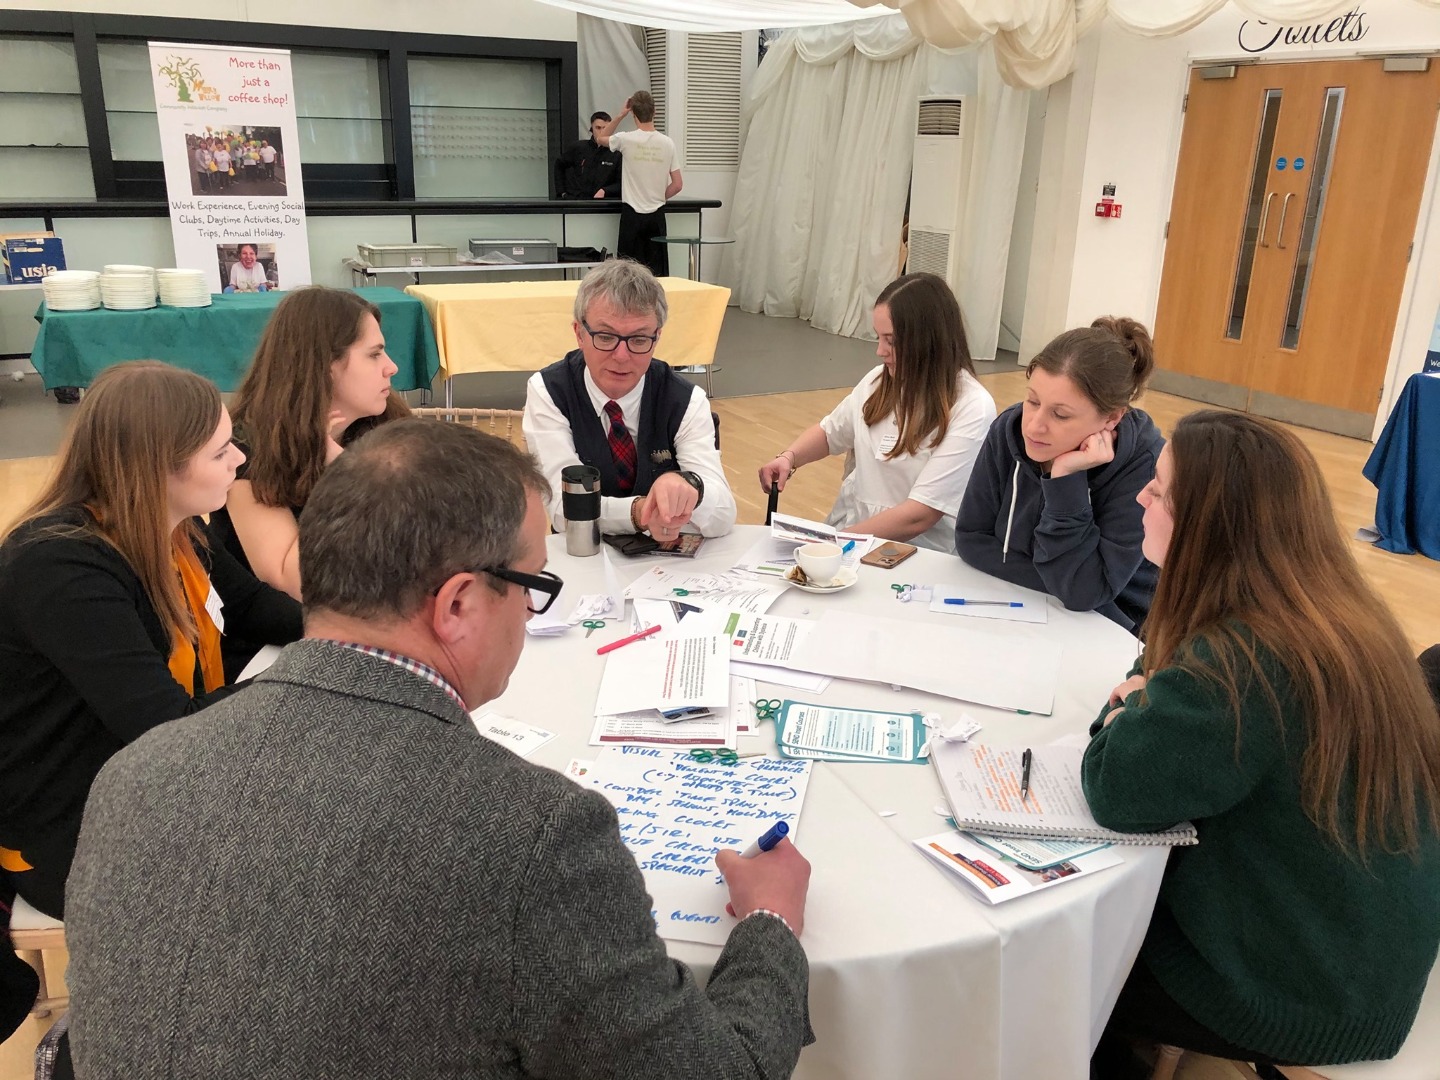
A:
(267, 157)
(248, 274)
(914, 424)
(650, 178)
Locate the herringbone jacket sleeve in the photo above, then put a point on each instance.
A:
(595, 994)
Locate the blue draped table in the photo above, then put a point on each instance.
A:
(1405, 469)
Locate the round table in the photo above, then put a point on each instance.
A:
(911, 974)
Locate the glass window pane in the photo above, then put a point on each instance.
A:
(129, 91)
(1314, 209)
(46, 174)
(479, 128)
(340, 108)
(1255, 215)
(38, 66)
(43, 143)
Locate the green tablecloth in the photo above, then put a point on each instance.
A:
(217, 341)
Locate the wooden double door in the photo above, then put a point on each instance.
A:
(1292, 223)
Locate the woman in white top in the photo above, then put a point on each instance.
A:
(247, 273)
(914, 424)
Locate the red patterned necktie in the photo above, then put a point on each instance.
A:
(622, 448)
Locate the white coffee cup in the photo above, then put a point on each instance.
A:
(821, 562)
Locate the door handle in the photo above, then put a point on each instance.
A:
(1284, 209)
(1265, 216)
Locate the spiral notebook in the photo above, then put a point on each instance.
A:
(982, 786)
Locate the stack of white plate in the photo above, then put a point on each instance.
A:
(128, 288)
(71, 290)
(183, 288)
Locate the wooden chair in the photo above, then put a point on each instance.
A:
(32, 934)
(502, 423)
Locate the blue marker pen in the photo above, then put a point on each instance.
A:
(849, 547)
(984, 603)
(773, 836)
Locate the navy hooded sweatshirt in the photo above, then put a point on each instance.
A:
(1076, 537)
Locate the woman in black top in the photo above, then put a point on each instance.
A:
(112, 603)
(319, 380)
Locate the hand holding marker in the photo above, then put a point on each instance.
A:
(773, 836)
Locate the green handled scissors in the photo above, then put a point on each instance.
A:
(591, 625)
(724, 756)
(767, 708)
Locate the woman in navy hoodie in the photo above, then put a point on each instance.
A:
(1051, 502)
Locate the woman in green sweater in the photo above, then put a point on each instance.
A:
(1277, 706)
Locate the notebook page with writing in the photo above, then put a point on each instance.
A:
(982, 786)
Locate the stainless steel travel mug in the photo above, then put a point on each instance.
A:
(580, 503)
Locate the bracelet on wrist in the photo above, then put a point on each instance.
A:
(791, 458)
(772, 914)
(635, 513)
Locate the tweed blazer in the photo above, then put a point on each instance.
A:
(331, 873)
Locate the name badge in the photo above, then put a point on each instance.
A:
(214, 608)
(886, 444)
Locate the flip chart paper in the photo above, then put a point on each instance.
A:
(956, 662)
(676, 813)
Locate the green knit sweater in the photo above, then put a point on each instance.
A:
(1266, 932)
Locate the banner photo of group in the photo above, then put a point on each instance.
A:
(230, 142)
(250, 161)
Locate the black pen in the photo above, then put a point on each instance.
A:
(1025, 760)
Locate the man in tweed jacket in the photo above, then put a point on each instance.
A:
(331, 874)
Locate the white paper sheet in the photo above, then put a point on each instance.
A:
(999, 602)
(956, 662)
(648, 728)
(676, 813)
(653, 674)
(267, 655)
(731, 591)
(765, 639)
(778, 676)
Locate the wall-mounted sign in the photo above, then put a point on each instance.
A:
(1257, 35)
(1280, 164)
(1299, 163)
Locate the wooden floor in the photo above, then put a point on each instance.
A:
(755, 429)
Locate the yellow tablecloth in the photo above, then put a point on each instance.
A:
(525, 325)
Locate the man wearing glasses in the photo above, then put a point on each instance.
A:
(333, 874)
(612, 405)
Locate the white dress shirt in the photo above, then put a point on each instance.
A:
(935, 477)
(550, 439)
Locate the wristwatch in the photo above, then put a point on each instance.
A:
(693, 479)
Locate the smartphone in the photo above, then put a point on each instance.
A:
(889, 555)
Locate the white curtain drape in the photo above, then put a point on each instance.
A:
(713, 15)
(1035, 39)
(825, 173)
(611, 66)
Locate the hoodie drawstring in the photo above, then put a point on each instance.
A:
(1010, 520)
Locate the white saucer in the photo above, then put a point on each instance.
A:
(843, 580)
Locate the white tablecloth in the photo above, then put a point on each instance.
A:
(912, 976)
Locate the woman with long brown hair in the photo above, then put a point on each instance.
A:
(1051, 502)
(1278, 707)
(112, 605)
(914, 423)
(320, 379)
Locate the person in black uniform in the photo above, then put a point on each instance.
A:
(588, 170)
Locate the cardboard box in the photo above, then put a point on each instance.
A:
(27, 259)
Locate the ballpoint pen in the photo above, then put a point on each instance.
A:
(1025, 760)
(984, 603)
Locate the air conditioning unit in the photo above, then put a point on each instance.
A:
(939, 182)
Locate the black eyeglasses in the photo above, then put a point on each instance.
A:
(605, 341)
(542, 588)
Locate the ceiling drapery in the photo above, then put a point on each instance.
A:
(697, 16)
(1034, 40)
